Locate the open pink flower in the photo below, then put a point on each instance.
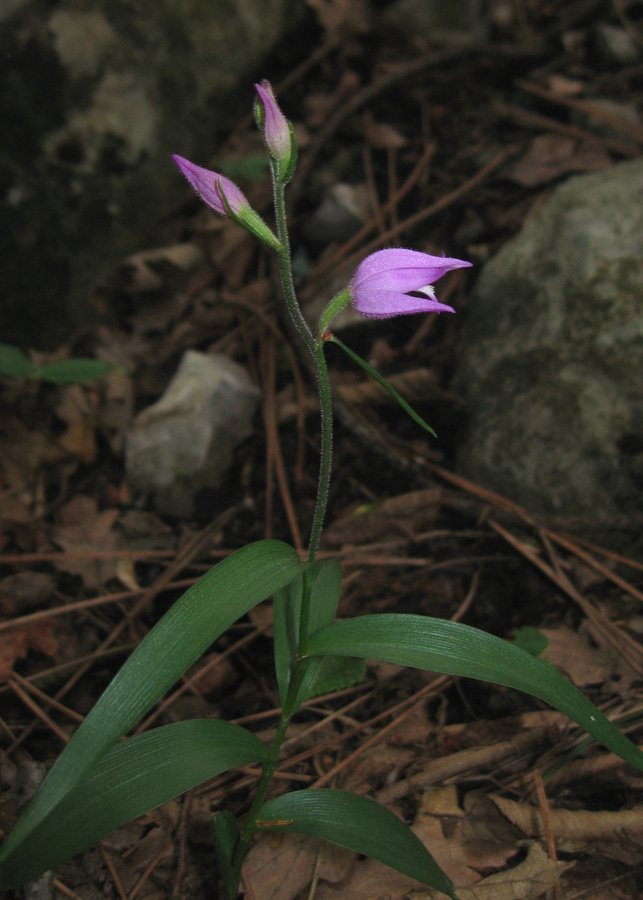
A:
(384, 283)
(276, 130)
(210, 186)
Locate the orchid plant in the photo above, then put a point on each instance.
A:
(104, 779)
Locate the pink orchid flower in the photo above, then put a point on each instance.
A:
(385, 282)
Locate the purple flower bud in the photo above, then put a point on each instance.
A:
(276, 129)
(384, 281)
(212, 187)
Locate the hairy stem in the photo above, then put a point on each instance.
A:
(316, 349)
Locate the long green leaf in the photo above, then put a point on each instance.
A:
(385, 384)
(133, 777)
(357, 823)
(455, 649)
(204, 612)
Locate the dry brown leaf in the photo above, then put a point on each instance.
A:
(529, 880)
(439, 825)
(574, 655)
(149, 270)
(405, 515)
(21, 452)
(23, 592)
(86, 531)
(279, 866)
(369, 880)
(78, 442)
(378, 764)
(15, 644)
(117, 409)
(381, 135)
(551, 155)
(564, 86)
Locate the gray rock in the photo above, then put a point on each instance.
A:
(94, 99)
(185, 441)
(551, 359)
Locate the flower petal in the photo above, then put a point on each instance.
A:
(402, 270)
(385, 304)
(209, 185)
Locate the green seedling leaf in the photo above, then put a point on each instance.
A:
(14, 363)
(357, 823)
(455, 649)
(379, 378)
(132, 778)
(73, 371)
(530, 640)
(287, 609)
(204, 612)
(226, 834)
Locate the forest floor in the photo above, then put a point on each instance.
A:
(454, 148)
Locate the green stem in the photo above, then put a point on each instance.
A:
(316, 349)
(250, 827)
(326, 410)
(286, 269)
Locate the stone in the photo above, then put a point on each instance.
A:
(94, 99)
(551, 356)
(184, 443)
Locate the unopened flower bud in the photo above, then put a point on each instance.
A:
(277, 131)
(224, 197)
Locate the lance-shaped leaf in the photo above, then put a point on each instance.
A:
(130, 779)
(385, 384)
(455, 649)
(204, 612)
(357, 823)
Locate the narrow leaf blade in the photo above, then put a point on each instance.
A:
(135, 776)
(357, 823)
(385, 384)
(455, 649)
(204, 612)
